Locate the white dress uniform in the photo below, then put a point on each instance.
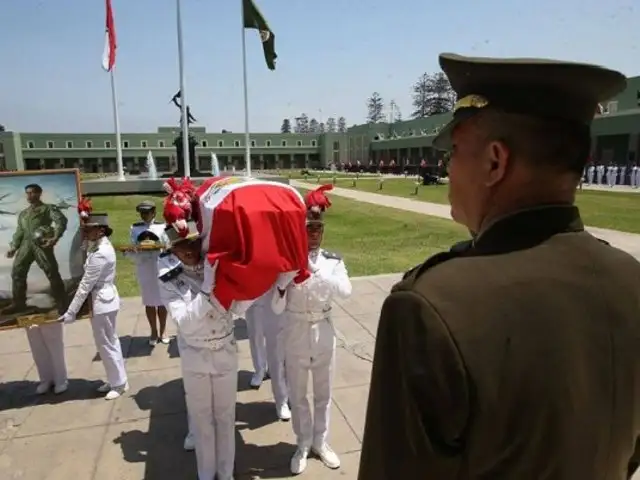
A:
(98, 281)
(47, 348)
(209, 359)
(590, 174)
(635, 176)
(147, 262)
(309, 346)
(269, 326)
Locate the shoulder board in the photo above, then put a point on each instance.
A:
(457, 250)
(331, 255)
(171, 274)
(156, 222)
(139, 224)
(164, 254)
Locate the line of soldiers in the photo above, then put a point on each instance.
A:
(612, 175)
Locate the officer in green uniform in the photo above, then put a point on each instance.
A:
(40, 226)
(515, 355)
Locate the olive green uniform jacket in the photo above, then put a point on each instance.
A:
(515, 356)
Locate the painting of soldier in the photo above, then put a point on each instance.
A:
(41, 254)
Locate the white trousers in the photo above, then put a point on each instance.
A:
(211, 406)
(309, 348)
(47, 349)
(266, 339)
(108, 345)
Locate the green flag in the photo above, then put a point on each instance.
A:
(254, 20)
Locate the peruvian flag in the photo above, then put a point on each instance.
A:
(109, 54)
(253, 233)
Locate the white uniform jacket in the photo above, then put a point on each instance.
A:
(205, 330)
(147, 261)
(313, 297)
(98, 280)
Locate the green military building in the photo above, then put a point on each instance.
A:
(616, 138)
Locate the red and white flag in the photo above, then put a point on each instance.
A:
(253, 231)
(109, 54)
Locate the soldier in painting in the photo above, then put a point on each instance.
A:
(513, 355)
(40, 226)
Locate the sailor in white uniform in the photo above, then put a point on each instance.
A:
(310, 344)
(590, 174)
(99, 282)
(147, 269)
(622, 180)
(208, 351)
(635, 176)
(600, 174)
(257, 345)
(262, 319)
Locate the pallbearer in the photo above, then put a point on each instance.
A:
(309, 338)
(148, 230)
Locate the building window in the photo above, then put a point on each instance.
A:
(283, 143)
(69, 144)
(50, 144)
(144, 143)
(299, 143)
(107, 144)
(314, 143)
(205, 144)
(236, 143)
(336, 145)
(220, 143)
(268, 143)
(253, 143)
(125, 144)
(161, 143)
(89, 144)
(31, 144)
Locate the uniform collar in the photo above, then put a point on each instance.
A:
(528, 228)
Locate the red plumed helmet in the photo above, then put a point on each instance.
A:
(178, 205)
(84, 207)
(175, 216)
(317, 200)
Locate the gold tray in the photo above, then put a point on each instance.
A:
(143, 246)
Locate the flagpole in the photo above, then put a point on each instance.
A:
(247, 142)
(183, 97)
(116, 122)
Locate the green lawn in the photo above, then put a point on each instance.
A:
(617, 211)
(372, 239)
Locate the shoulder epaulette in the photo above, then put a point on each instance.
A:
(331, 255)
(457, 250)
(164, 254)
(171, 274)
(156, 222)
(138, 224)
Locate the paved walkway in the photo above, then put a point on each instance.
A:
(629, 242)
(139, 437)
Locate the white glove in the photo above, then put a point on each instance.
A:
(209, 278)
(284, 279)
(67, 318)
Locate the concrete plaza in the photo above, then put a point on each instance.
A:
(80, 436)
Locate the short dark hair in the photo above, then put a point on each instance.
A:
(558, 144)
(33, 186)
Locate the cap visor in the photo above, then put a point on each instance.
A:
(442, 140)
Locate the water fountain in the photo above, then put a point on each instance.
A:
(215, 165)
(151, 167)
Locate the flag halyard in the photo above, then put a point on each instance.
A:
(254, 20)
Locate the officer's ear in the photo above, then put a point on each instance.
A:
(498, 158)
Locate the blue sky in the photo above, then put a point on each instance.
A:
(332, 55)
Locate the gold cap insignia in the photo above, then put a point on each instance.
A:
(471, 101)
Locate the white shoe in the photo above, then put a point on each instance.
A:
(299, 461)
(327, 456)
(153, 341)
(61, 387)
(104, 388)
(189, 443)
(257, 379)
(43, 387)
(165, 340)
(284, 413)
(116, 392)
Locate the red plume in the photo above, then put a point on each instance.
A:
(175, 216)
(317, 199)
(84, 207)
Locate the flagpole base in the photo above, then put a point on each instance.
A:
(122, 178)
